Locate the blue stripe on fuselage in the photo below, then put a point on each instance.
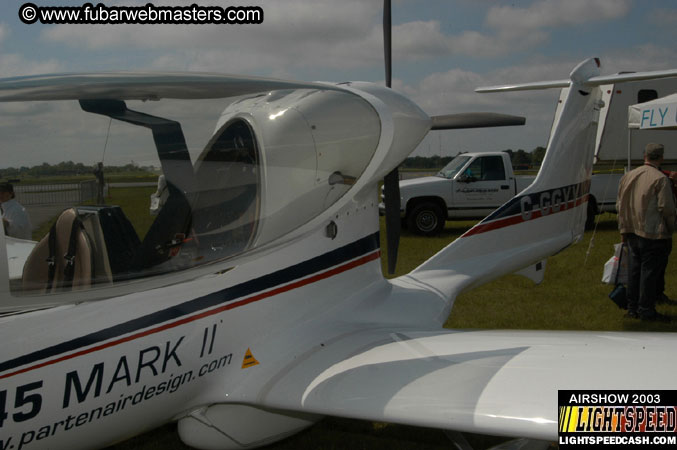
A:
(280, 277)
(538, 200)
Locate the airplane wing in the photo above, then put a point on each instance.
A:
(490, 382)
(142, 86)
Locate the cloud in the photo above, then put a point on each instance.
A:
(424, 39)
(321, 34)
(4, 32)
(512, 29)
(663, 16)
(453, 91)
(321, 21)
(326, 35)
(12, 64)
(554, 13)
(639, 58)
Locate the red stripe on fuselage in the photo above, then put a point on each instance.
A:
(514, 220)
(254, 298)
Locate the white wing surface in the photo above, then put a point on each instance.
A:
(490, 382)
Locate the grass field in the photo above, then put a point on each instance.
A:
(570, 298)
(133, 201)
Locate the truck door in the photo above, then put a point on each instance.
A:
(480, 188)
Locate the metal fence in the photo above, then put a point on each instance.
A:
(46, 194)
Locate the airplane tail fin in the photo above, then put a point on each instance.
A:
(540, 221)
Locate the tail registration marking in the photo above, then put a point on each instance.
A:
(531, 206)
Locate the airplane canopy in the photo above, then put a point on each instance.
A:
(230, 174)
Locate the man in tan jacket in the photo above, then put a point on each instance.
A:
(646, 219)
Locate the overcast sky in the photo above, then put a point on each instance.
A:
(443, 49)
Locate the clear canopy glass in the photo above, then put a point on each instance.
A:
(120, 191)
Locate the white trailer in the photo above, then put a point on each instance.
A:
(618, 147)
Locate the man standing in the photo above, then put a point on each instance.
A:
(98, 173)
(646, 219)
(14, 216)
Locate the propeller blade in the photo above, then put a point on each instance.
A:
(391, 182)
(391, 191)
(387, 41)
(475, 120)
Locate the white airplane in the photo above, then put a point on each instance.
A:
(254, 304)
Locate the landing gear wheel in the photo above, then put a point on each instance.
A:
(426, 219)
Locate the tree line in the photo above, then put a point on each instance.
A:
(519, 158)
(67, 168)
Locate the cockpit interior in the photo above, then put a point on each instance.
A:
(186, 184)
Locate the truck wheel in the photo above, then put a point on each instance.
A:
(426, 218)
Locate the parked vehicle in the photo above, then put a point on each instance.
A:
(472, 185)
(469, 187)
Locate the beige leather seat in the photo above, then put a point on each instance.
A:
(36, 272)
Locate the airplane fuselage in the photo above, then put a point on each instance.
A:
(112, 359)
(96, 372)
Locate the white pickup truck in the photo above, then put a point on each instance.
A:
(472, 185)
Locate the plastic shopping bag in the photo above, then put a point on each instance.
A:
(616, 268)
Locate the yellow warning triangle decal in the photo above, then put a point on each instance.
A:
(249, 360)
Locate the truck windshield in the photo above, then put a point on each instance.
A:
(451, 169)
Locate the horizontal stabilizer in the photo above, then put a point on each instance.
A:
(635, 76)
(525, 86)
(475, 120)
(593, 81)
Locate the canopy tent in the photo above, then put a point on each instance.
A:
(658, 115)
